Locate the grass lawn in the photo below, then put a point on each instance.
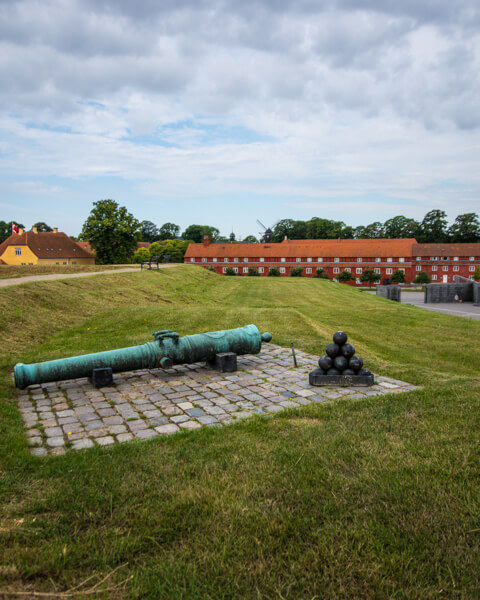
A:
(9, 271)
(376, 498)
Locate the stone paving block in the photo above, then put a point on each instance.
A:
(116, 420)
(35, 441)
(195, 412)
(241, 414)
(207, 419)
(124, 437)
(116, 429)
(190, 425)
(39, 451)
(166, 429)
(145, 434)
(273, 408)
(54, 442)
(156, 421)
(53, 431)
(181, 418)
(91, 425)
(288, 404)
(105, 441)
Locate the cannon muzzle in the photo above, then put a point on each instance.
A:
(167, 349)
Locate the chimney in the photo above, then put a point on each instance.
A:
(206, 240)
(34, 230)
(55, 230)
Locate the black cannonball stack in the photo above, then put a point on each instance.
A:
(340, 365)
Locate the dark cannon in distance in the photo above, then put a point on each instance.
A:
(218, 348)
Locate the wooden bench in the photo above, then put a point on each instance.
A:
(149, 264)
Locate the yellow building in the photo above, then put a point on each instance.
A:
(43, 248)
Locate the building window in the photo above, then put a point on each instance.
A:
(434, 268)
(472, 258)
(358, 281)
(402, 270)
(401, 259)
(389, 259)
(471, 269)
(282, 269)
(358, 270)
(18, 251)
(235, 260)
(235, 269)
(192, 260)
(204, 260)
(434, 278)
(319, 259)
(298, 259)
(245, 269)
(309, 259)
(245, 260)
(418, 267)
(455, 258)
(283, 260)
(456, 268)
(262, 260)
(214, 259)
(378, 259)
(377, 270)
(336, 259)
(224, 269)
(336, 270)
(359, 259)
(389, 271)
(74, 262)
(445, 268)
(444, 257)
(348, 269)
(225, 260)
(23, 264)
(434, 258)
(308, 270)
(260, 269)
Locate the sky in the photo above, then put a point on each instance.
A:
(225, 112)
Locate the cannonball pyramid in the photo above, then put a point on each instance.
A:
(340, 366)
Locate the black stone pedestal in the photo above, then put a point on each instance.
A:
(225, 362)
(102, 377)
(318, 377)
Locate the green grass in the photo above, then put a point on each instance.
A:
(376, 498)
(11, 271)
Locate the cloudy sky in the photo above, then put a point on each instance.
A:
(224, 112)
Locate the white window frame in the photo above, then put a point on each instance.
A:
(434, 268)
(456, 268)
(298, 259)
(235, 260)
(204, 259)
(336, 270)
(319, 259)
(245, 259)
(418, 267)
(434, 258)
(471, 258)
(245, 269)
(359, 270)
(445, 268)
(390, 259)
(235, 269)
(224, 270)
(282, 269)
(192, 259)
(283, 259)
(214, 259)
(336, 259)
(308, 270)
(378, 259)
(260, 269)
(225, 259)
(359, 259)
(377, 270)
(389, 271)
(401, 259)
(434, 278)
(358, 281)
(348, 269)
(455, 258)
(309, 259)
(419, 258)
(261, 259)
(18, 252)
(471, 269)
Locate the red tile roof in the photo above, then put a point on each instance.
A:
(46, 245)
(307, 248)
(86, 246)
(446, 250)
(143, 244)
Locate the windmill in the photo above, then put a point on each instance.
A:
(266, 236)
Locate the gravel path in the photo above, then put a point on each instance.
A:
(29, 279)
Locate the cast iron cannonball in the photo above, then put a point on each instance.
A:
(340, 337)
(325, 362)
(347, 350)
(340, 363)
(355, 363)
(332, 350)
(364, 372)
(333, 371)
(348, 372)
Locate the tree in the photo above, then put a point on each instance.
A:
(296, 272)
(196, 233)
(323, 229)
(169, 231)
(476, 274)
(273, 272)
(283, 228)
(149, 231)
(373, 231)
(433, 228)
(173, 249)
(253, 272)
(230, 271)
(345, 276)
(6, 229)
(398, 276)
(422, 277)
(466, 229)
(112, 232)
(321, 273)
(41, 226)
(400, 227)
(370, 276)
(251, 239)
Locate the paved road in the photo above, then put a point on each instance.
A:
(459, 309)
(19, 280)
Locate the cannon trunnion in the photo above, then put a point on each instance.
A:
(167, 349)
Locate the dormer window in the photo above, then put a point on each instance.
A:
(359, 259)
(336, 259)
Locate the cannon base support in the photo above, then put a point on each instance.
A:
(225, 362)
(102, 377)
(318, 378)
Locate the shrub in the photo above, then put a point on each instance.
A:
(253, 272)
(345, 276)
(273, 272)
(140, 255)
(230, 271)
(370, 277)
(321, 273)
(296, 272)
(476, 274)
(398, 277)
(422, 277)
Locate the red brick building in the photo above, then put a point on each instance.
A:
(384, 256)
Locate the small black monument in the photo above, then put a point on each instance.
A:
(340, 366)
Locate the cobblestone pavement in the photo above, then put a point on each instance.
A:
(146, 404)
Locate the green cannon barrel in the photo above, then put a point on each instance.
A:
(167, 349)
